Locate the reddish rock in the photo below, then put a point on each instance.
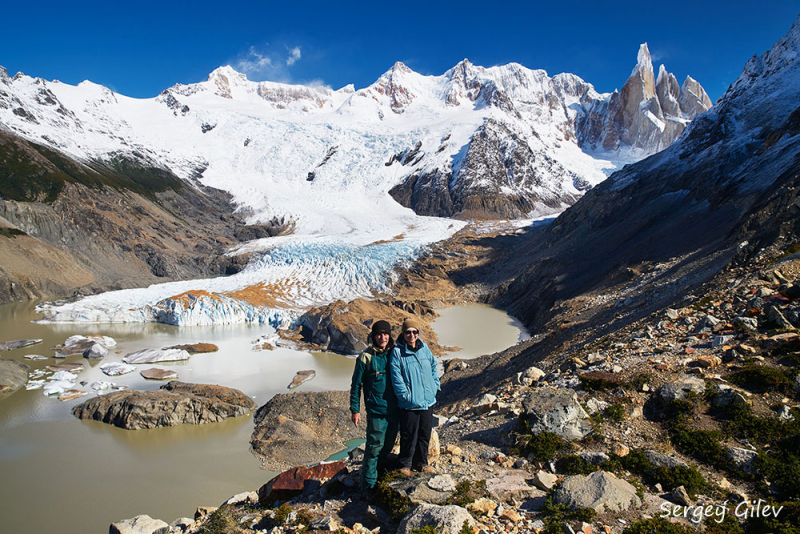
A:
(296, 480)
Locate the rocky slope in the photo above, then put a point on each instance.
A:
(76, 228)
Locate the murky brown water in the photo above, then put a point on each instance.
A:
(76, 477)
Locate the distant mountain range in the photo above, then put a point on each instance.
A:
(122, 192)
(474, 142)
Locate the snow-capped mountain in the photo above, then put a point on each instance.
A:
(477, 142)
(728, 183)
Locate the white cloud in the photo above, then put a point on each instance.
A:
(254, 62)
(294, 55)
(265, 63)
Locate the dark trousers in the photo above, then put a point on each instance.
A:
(415, 436)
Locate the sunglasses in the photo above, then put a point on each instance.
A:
(412, 332)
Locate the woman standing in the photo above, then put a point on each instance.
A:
(416, 381)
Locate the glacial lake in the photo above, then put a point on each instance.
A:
(77, 477)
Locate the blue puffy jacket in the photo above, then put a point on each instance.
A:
(414, 376)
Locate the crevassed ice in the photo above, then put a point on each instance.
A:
(303, 273)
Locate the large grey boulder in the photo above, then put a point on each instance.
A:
(599, 491)
(743, 459)
(302, 428)
(176, 403)
(680, 388)
(662, 460)
(557, 411)
(13, 375)
(445, 519)
(424, 488)
(141, 524)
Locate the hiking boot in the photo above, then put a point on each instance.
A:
(427, 469)
(406, 472)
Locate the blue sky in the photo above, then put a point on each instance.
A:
(141, 48)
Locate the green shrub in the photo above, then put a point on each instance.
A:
(427, 529)
(281, 513)
(557, 514)
(616, 413)
(703, 445)
(669, 478)
(220, 521)
(787, 522)
(575, 465)
(467, 492)
(658, 525)
(764, 379)
(390, 500)
(543, 446)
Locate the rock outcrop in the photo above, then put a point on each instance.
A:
(445, 519)
(599, 491)
(558, 412)
(18, 343)
(176, 403)
(13, 375)
(302, 428)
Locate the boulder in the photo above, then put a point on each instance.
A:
(599, 491)
(141, 524)
(743, 459)
(680, 388)
(511, 484)
(176, 403)
(195, 348)
(156, 355)
(13, 375)
(18, 344)
(302, 376)
(420, 490)
(296, 481)
(445, 519)
(154, 373)
(662, 460)
(545, 481)
(559, 412)
(302, 428)
(681, 496)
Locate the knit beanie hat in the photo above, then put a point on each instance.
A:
(410, 324)
(381, 327)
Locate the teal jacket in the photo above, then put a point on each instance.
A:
(371, 375)
(414, 376)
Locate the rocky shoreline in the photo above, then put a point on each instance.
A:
(657, 424)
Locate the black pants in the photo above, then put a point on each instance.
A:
(415, 436)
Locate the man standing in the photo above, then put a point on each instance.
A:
(416, 382)
(371, 375)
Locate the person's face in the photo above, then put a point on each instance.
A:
(411, 336)
(381, 340)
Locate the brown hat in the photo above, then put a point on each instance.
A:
(410, 324)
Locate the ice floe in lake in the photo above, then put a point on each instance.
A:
(34, 357)
(101, 386)
(156, 355)
(35, 384)
(58, 387)
(64, 375)
(116, 368)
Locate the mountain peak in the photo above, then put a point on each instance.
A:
(644, 62)
(228, 72)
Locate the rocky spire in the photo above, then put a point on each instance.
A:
(693, 100)
(668, 92)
